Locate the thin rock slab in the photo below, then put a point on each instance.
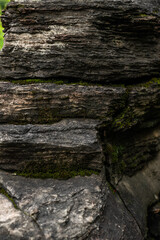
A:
(72, 209)
(96, 41)
(69, 143)
(122, 108)
(47, 103)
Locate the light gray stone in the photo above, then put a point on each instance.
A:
(79, 208)
(15, 224)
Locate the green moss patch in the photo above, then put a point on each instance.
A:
(62, 174)
(58, 82)
(3, 191)
(48, 169)
(125, 120)
(152, 82)
(117, 162)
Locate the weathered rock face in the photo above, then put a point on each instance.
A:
(122, 108)
(106, 41)
(68, 143)
(69, 209)
(130, 152)
(124, 122)
(48, 103)
(46, 128)
(141, 190)
(15, 224)
(125, 145)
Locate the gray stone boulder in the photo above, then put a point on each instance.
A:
(72, 209)
(113, 131)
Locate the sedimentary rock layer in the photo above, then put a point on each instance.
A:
(118, 113)
(69, 143)
(48, 103)
(104, 41)
(122, 108)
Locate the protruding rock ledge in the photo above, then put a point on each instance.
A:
(48, 103)
(67, 143)
(103, 41)
(122, 108)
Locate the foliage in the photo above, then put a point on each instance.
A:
(2, 6)
(3, 3)
(1, 36)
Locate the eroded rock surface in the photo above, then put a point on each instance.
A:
(106, 41)
(113, 128)
(122, 107)
(48, 103)
(66, 143)
(15, 224)
(71, 209)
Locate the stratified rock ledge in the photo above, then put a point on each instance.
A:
(68, 143)
(96, 41)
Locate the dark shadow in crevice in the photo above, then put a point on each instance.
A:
(153, 221)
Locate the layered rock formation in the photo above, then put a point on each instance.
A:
(104, 41)
(68, 143)
(56, 126)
